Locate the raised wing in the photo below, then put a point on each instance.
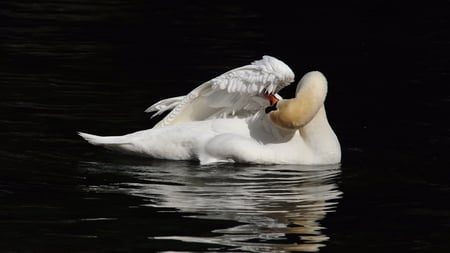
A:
(164, 105)
(236, 93)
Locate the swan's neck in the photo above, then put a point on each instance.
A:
(319, 136)
(318, 122)
(297, 112)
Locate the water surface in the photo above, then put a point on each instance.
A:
(95, 66)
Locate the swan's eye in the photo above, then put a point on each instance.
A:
(271, 108)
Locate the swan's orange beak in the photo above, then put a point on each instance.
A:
(272, 99)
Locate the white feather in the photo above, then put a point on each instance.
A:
(214, 96)
(214, 125)
(164, 105)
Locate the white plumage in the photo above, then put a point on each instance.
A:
(224, 120)
(234, 93)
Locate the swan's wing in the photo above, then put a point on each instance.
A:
(164, 105)
(236, 93)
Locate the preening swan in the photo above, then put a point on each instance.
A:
(239, 117)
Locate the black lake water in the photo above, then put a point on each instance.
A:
(95, 66)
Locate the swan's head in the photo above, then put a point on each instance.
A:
(297, 112)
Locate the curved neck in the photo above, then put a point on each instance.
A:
(297, 112)
(318, 122)
(320, 137)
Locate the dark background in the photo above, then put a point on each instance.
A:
(95, 66)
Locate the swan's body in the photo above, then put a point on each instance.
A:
(223, 120)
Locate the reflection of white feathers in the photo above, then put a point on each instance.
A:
(224, 120)
(264, 201)
(236, 93)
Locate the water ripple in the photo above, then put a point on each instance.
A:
(278, 208)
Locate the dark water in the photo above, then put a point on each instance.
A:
(94, 66)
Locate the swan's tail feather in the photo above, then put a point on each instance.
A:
(103, 140)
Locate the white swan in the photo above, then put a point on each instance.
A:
(238, 117)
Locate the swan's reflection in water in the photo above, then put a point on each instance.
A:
(279, 207)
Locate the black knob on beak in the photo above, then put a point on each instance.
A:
(271, 108)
